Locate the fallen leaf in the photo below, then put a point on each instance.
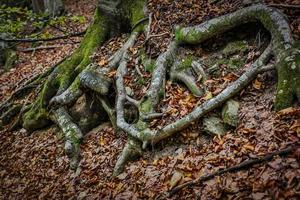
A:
(177, 176)
(257, 84)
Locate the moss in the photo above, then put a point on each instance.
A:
(146, 105)
(66, 72)
(288, 78)
(192, 36)
(35, 119)
(134, 10)
(10, 58)
(186, 63)
(235, 63)
(141, 81)
(178, 34)
(236, 47)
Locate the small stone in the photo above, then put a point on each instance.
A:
(129, 91)
(214, 70)
(214, 126)
(177, 176)
(230, 112)
(235, 47)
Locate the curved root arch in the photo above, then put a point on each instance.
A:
(282, 42)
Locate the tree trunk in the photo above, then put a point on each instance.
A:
(51, 7)
(75, 76)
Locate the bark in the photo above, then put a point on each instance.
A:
(288, 66)
(71, 78)
(51, 7)
(76, 76)
(63, 85)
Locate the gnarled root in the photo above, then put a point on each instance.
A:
(286, 53)
(288, 87)
(63, 76)
(179, 73)
(73, 135)
(131, 151)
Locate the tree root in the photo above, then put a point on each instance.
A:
(185, 76)
(9, 115)
(288, 67)
(131, 151)
(75, 76)
(73, 135)
(211, 104)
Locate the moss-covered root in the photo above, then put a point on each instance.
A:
(65, 73)
(131, 151)
(288, 88)
(69, 96)
(182, 72)
(95, 78)
(271, 18)
(211, 104)
(158, 79)
(9, 115)
(72, 133)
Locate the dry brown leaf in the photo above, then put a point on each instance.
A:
(177, 176)
(257, 84)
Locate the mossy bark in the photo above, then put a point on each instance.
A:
(286, 53)
(110, 18)
(288, 88)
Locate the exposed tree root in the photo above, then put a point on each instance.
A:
(131, 151)
(76, 76)
(281, 42)
(73, 135)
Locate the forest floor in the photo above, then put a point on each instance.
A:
(35, 165)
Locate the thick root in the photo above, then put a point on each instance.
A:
(65, 73)
(282, 42)
(131, 151)
(95, 79)
(184, 74)
(213, 103)
(288, 88)
(69, 96)
(73, 135)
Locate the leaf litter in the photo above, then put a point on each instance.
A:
(35, 166)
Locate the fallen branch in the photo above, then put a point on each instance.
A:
(284, 5)
(28, 86)
(157, 35)
(42, 39)
(238, 167)
(38, 48)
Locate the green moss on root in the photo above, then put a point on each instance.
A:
(65, 73)
(288, 87)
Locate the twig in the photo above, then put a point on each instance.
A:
(149, 27)
(28, 85)
(284, 5)
(42, 39)
(243, 165)
(38, 48)
(137, 68)
(157, 35)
